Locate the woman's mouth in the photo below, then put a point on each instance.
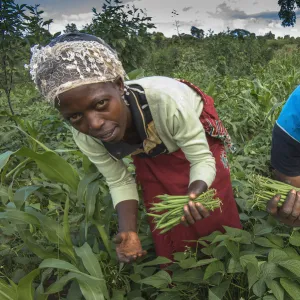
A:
(108, 136)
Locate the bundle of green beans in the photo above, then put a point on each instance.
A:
(169, 211)
(264, 189)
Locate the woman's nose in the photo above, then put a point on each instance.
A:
(95, 122)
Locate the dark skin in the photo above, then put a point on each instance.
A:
(289, 212)
(98, 110)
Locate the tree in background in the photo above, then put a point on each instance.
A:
(71, 28)
(125, 28)
(197, 33)
(287, 11)
(18, 31)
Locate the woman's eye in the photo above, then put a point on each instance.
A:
(74, 118)
(101, 104)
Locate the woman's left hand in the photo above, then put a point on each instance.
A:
(194, 212)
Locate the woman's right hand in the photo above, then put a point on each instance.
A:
(289, 212)
(128, 246)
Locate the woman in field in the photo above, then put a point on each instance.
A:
(285, 159)
(169, 127)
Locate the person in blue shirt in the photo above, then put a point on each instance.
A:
(285, 159)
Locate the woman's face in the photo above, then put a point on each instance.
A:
(97, 110)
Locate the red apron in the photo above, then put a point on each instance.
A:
(169, 174)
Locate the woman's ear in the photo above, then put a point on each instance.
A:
(120, 84)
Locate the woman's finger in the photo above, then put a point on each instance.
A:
(287, 206)
(184, 222)
(272, 205)
(194, 211)
(296, 209)
(202, 210)
(188, 215)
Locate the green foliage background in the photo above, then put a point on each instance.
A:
(56, 215)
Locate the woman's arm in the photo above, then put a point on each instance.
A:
(124, 194)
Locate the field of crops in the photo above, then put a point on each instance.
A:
(57, 222)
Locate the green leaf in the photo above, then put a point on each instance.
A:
(277, 255)
(292, 265)
(264, 242)
(259, 288)
(262, 229)
(83, 184)
(234, 266)
(247, 259)
(7, 292)
(66, 226)
(92, 265)
(295, 238)
(91, 193)
(19, 217)
(276, 289)
(155, 262)
(213, 268)
(25, 288)
(4, 158)
(219, 291)
(136, 74)
(194, 276)
(233, 249)
(53, 166)
(253, 273)
(292, 288)
(63, 265)
(159, 280)
(23, 193)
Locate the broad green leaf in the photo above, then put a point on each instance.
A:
(178, 256)
(213, 268)
(234, 266)
(295, 239)
(59, 284)
(53, 166)
(19, 217)
(292, 265)
(25, 288)
(259, 288)
(292, 288)
(264, 242)
(233, 249)
(262, 229)
(275, 239)
(220, 251)
(276, 289)
(194, 276)
(159, 280)
(7, 292)
(92, 265)
(249, 258)
(270, 271)
(23, 193)
(219, 291)
(40, 292)
(4, 158)
(168, 296)
(157, 261)
(253, 273)
(277, 255)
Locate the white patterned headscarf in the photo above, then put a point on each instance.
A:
(72, 60)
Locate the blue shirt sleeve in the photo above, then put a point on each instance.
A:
(289, 118)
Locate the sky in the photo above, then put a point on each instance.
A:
(258, 16)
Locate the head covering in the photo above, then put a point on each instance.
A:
(72, 60)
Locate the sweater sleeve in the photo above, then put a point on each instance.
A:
(189, 135)
(121, 183)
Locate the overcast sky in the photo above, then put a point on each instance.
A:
(258, 16)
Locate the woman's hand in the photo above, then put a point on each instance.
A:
(289, 212)
(128, 246)
(194, 212)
